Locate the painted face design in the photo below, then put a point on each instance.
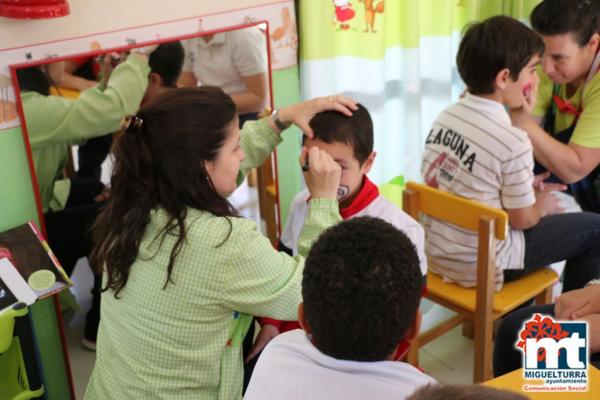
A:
(342, 192)
(527, 89)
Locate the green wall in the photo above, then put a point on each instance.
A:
(17, 206)
(287, 91)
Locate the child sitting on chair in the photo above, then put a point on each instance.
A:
(473, 150)
(349, 140)
(361, 288)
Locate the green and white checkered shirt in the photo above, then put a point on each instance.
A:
(182, 342)
(54, 123)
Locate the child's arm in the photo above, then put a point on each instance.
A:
(525, 198)
(524, 218)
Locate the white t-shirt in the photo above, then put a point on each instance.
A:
(474, 151)
(227, 58)
(379, 207)
(291, 368)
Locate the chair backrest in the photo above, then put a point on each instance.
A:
(487, 221)
(420, 198)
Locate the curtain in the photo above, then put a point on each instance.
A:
(396, 57)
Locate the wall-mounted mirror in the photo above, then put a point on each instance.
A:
(72, 108)
(70, 123)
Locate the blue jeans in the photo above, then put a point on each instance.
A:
(574, 237)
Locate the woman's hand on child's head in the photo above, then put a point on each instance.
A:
(266, 334)
(322, 176)
(301, 113)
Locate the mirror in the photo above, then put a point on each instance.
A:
(70, 122)
(235, 60)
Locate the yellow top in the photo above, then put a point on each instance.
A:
(587, 131)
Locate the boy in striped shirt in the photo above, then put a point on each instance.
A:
(474, 151)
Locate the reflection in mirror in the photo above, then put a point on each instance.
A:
(73, 110)
(236, 61)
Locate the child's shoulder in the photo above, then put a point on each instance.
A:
(480, 121)
(389, 212)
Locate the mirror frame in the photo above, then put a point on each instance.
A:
(94, 53)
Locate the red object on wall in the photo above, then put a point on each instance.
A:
(34, 9)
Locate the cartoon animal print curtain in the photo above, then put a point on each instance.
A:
(397, 58)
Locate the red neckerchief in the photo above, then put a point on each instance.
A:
(565, 105)
(367, 193)
(401, 350)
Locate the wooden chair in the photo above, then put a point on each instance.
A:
(265, 180)
(477, 307)
(267, 198)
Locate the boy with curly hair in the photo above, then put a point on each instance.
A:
(361, 289)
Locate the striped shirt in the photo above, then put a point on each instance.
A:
(473, 150)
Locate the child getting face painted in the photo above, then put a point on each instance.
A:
(354, 168)
(349, 141)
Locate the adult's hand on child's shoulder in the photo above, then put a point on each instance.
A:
(321, 173)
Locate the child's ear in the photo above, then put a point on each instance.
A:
(154, 78)
(368, 164)
(594, 42)
(413, 331)
(302, 318)
(502, 79)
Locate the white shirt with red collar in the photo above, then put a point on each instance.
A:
(369, 203)
(291, 367)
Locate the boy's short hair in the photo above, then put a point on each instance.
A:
(463, 392)
(489, 46)
(357, 130)
(361, 289)
(167, 61)
(557, 17)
